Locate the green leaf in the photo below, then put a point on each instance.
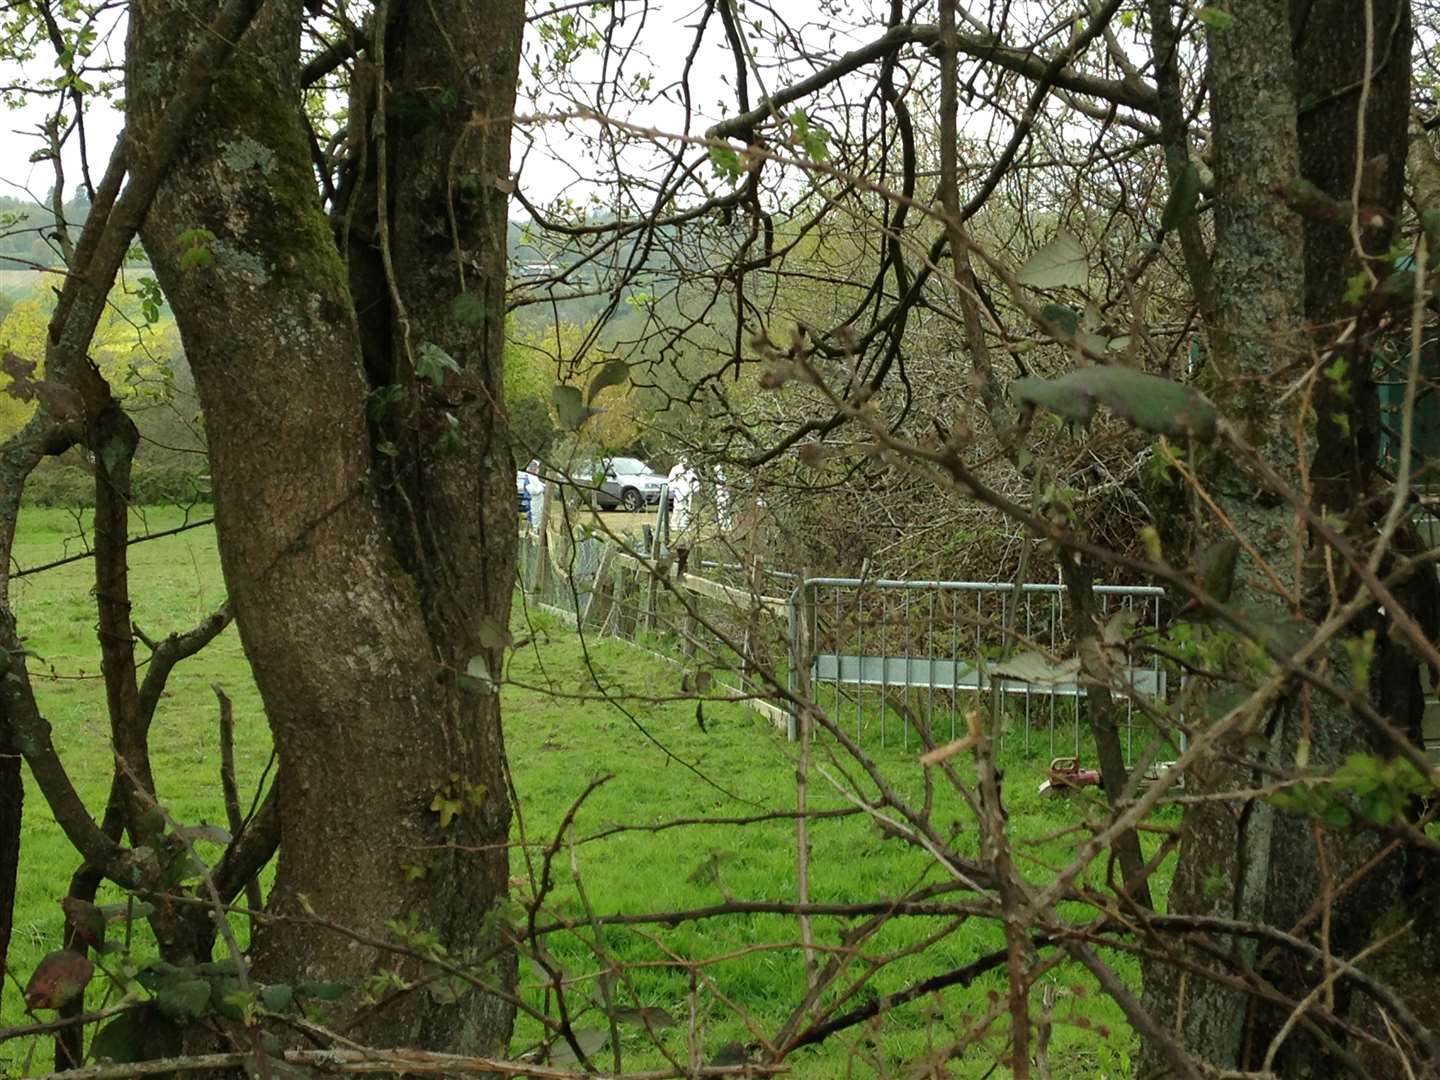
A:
(1215, 19)
(322, 991)
(449, 438)
(612, 373)
(433, 362)
(1356, 287)
(571, 407)
(1149, 402)
(1184, 197)
(1215, 566)
(808, 137)
(231, 1002)
(122, 1040)
(277, 998)
(1062, 317)
(469, 309)
(477, 677)
(210, 834)
(379, 400)
(1038, 670)
(1056, 265)
(183, 1000)
(1336, 816)
(590, 1040)
(447, 989)
(651, 1015)
(726, 162)
(196, 250)
(492, 635)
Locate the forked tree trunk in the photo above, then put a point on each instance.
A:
(358, 620)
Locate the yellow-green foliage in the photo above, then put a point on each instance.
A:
(131, 353)
(536, 362)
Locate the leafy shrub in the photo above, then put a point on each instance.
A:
(71, 485)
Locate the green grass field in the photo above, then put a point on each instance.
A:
(558, 742)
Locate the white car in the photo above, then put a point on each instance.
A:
(618, 481)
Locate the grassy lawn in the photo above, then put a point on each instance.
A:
(559, 740)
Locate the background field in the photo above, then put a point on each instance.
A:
(559, 739)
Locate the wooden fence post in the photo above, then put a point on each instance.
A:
(752, 625)
(600, 590)
(651, 593)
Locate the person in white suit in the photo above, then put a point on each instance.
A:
(682, 482)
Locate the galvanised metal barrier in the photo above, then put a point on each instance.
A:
(883, 653)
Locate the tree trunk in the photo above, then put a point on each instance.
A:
(12, 805)
(1225, 848)
(359, 620)
(1274, 275)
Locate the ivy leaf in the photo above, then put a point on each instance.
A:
(1184, 197)
(1059, 263)
(433, 362)
(469, 309)
(379, 400)
(449, 439)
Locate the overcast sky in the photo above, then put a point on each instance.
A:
(653, 38)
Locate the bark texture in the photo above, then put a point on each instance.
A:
(359, 608)
(1286, 85)
(1225, 847)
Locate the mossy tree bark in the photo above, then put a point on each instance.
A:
(1285, 82)
(362, 584)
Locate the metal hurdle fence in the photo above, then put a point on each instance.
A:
(881, 656)
(886, 655)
